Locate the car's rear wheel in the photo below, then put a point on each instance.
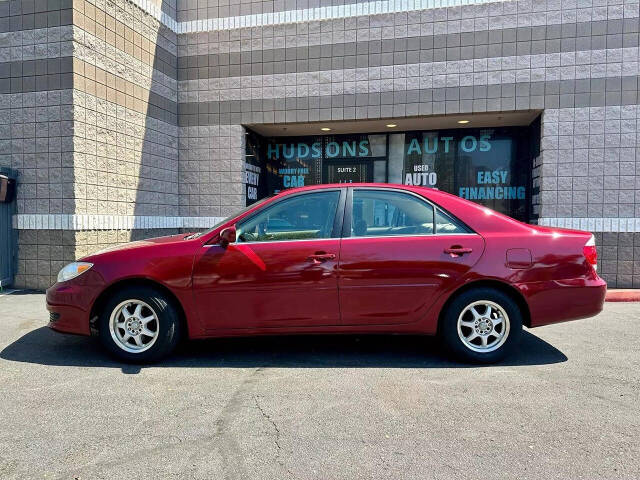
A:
(139, 325)
(481, 325)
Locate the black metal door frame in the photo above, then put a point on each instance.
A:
(8, 237)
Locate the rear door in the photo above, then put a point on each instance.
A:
(399, 252)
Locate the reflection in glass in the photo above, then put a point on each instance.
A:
(491, 166)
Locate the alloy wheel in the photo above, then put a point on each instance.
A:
(134, 326)
(483, 326)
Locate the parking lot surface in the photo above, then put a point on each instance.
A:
(326, 407)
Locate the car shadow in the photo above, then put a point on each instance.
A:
(45, 347)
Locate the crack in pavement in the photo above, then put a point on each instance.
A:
(276, 438)
(229, 448)
(268, 417)
(232, 457)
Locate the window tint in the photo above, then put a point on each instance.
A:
(383, 213)
(305, 216)
(447, 225)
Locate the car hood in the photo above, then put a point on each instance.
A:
(148, 242)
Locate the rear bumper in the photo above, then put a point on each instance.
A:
(69, 307)
(560, 301)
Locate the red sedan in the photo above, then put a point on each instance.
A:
(363, 258)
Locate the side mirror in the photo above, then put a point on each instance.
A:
(227, 236)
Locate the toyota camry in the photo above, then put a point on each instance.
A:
(357, 258)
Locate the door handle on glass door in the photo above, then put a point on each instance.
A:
(457, 250)
(318, 258)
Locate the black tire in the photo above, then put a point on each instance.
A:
(452, 339)
(167, 325)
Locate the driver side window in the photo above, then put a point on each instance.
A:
(305, 216)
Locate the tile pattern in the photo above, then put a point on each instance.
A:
(619, 258)
(289, 49)
(576, 61)
(189, 10)
(107, 112)
(42, 253)
(339, 10)
(80, 222)
(107, 28)
(99, 136)
(211, 180)
(24, 15)
(36, 138)
(594, 224)
(125, 162)
(589, 162)
(125, 133)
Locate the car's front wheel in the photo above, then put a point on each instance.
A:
(481, 325)
(139, 325)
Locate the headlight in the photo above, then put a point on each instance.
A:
(73, 270)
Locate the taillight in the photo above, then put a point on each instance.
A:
(590, 252)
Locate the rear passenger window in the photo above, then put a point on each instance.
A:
(385, 213)
(447, 225)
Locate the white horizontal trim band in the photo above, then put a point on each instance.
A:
(37, 221)
(296, 16)
(598, 224)
(156, 12)
(318, 14)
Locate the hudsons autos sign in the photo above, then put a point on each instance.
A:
(333, 149)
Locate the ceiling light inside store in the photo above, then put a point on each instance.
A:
(325, 129)
(463, 121)
(391, 125)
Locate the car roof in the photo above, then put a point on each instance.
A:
(329, 186)
(426, 191)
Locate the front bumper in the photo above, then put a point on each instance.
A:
(560, 301)
(69, 305)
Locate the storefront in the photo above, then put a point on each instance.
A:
(165, 151)
(491, 166)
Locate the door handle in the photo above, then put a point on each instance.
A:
(319, 258)
(457, 250)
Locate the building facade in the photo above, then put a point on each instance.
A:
(133, 118)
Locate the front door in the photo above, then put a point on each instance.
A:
(393, 260)
(281, 271)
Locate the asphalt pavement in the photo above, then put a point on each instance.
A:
(566, 406)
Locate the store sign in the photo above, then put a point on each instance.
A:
(433, 145)
(293, 177)
(333, 149)
(252, 180)
(482, 165)
(491, 166)
(421, 176)
(493, 185)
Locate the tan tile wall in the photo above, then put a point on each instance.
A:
(42, 253)
(91, 127)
